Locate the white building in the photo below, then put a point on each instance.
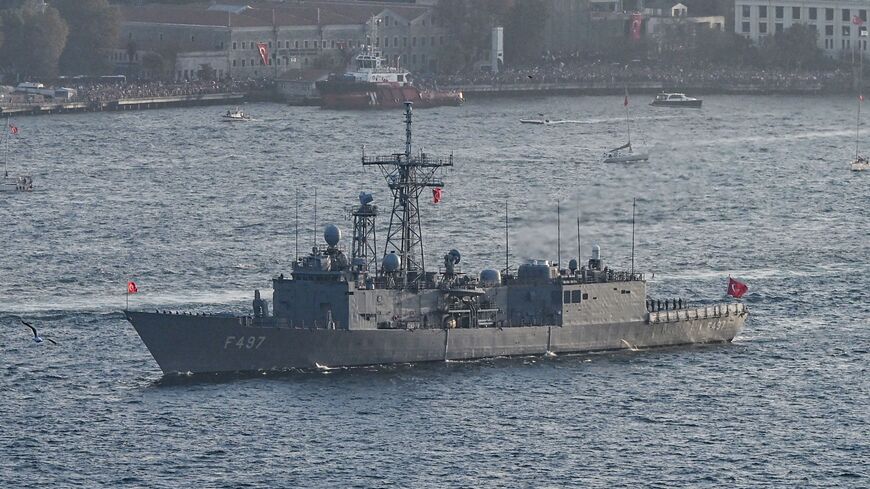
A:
(832, 19)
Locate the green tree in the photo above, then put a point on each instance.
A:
(94, 27)
(794, 48)
(469, 25)
(34, 40)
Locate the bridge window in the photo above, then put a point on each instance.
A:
(585, 296)
(575, 296)
(567, 297)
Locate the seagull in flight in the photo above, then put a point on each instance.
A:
(36, 337)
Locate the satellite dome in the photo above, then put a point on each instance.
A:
(332, 235)
(490, 278)
(392, 262)
(596, 252)
(455, 255)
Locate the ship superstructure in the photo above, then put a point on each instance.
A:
(339, 310)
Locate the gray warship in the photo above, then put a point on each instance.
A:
(335, 310)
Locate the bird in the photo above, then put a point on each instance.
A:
(36, 337)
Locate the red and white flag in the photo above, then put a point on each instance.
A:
(861, 97)
(857, 20)
(263, 48)
(131, 287)
(436, 195)
(636, 23)
(13, 129)
(736, 288)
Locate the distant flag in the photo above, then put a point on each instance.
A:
(736, 288)
(636, 23)
(13, 129)
(857, 20)
(625, 102)
(861, 97)
(436, 195)
(131, 288)
(263, 48)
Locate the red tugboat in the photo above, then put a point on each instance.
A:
(375, 86)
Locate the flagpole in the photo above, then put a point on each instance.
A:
(558, 235)
(633, 206)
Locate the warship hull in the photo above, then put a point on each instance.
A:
(183, 344)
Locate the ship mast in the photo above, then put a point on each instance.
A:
(407, 176)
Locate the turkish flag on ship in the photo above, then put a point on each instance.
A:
(13, 129)
(736, 288)
(436, 195)
(636, 23)
(131, 288)
(263, 48)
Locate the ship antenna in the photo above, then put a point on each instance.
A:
(407, 131)
(506, 240)
(314, 231)
(633, 206)
(558, 235)
(297, 223)
(579, 250)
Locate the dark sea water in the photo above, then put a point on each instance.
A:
(199, 213)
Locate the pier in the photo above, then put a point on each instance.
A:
(39, 108)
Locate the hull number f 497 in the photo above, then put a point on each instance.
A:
(244, 342)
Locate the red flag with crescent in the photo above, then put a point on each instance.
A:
(436, 195)
(736, 288)
(263, 48)
(857, 20)
(131, 288)
(13, 129)
(636, 23)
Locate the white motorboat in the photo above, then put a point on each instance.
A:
(666, 99)
(236, 115)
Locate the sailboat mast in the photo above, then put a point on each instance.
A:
(627, 119)
(6, 148)
(860, 101)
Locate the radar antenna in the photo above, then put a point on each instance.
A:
(407, 176)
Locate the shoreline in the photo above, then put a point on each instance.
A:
(470, 91)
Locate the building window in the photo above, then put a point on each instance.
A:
(813, 13)
(414, 41)
(829, 14)
(404, 42)
(829, 30)
(745, 27)
(746, 11)
(795, 13)
(234, 63)
(423, 41)
(332, 44)
(778, 27)
(386, 42)
(244, 45)
(762, 27)
(306, 44)
(846, 16)
(863, 14)
(234, 46)
(243, 62)
(762, 12)
(846, 31)
(396, 41)
(296, 44)
(778, 12)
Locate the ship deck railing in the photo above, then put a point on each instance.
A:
(689, 314)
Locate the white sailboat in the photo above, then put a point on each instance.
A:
(12, 183)
(860, 163)
(625, 153)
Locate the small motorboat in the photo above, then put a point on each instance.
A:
(666, 99)
(12, 183)
(236, 115)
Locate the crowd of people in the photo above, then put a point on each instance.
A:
(616, 74)
(108, 92)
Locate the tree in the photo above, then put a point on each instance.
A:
(469, 24)
(524, 31)
(34, 40)
(794, 48)
(94, 27)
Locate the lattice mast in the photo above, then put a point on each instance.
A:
(407, 176)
